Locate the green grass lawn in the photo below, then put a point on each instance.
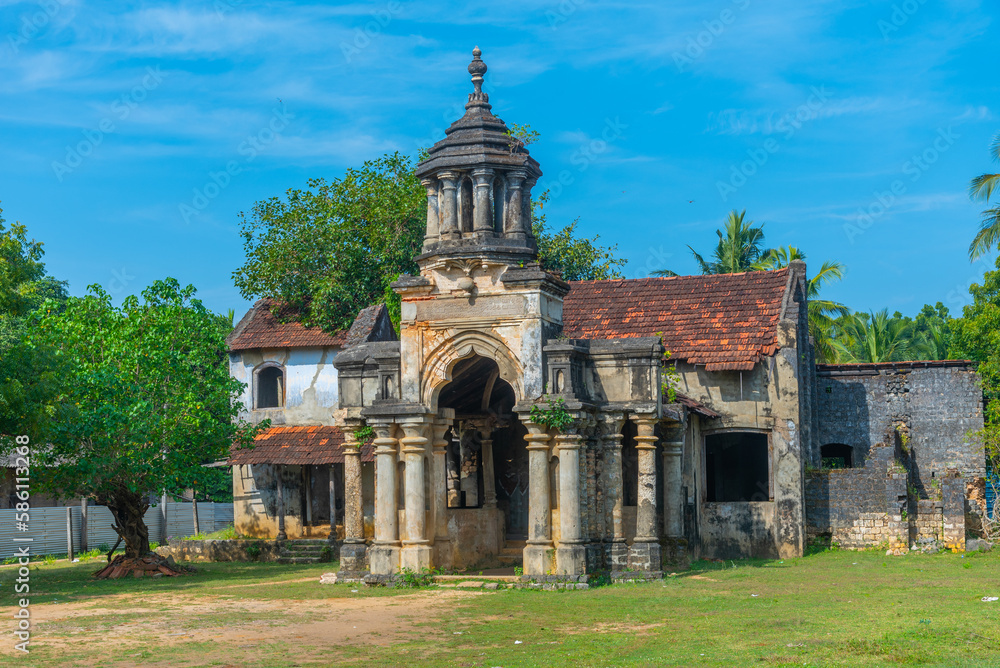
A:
(830, 609)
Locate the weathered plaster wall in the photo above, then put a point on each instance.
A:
(255, 502)
(738, 530)
(475, 533)
(310, 384)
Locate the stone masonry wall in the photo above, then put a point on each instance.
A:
(859, 507)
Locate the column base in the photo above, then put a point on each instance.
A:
(571, 559)
(538, 559)
(675, 552)
(383, 559)
(647, 558)
(416, 558)
(616, 556)
(352, 558)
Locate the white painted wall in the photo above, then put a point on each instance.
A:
(310, 384)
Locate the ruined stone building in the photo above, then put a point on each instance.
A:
(521, 417)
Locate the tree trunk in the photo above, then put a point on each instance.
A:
(128, 509)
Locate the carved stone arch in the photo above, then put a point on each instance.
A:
(442, 360)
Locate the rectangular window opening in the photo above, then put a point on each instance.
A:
(736, 467)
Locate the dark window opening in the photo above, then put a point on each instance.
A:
(837, 456)
(465, 205)
(736, 467)
(270, 388)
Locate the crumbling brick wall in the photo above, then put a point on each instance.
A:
(859, 507)
(926, 413)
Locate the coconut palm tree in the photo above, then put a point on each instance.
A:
(873, 337)
(822, 312)
(982, 188)
(740, 248)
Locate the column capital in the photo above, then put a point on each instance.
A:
(569, 441)
(428, 182)
(645, 424)
(483, 175)
(448, 179)
(516, 177)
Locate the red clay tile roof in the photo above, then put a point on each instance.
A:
(298, 446)
(725, 321)
(259, 328)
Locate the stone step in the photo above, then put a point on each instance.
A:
(303, 548)
(298, 560)
(307, 541)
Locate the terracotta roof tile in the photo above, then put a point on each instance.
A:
(259, 328)
(725, 321)
(298, 446)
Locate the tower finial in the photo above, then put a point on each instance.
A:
(477, 68)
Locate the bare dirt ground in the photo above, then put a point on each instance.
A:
(124, 624)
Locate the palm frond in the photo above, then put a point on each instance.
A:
(982, 186)
(988, 235)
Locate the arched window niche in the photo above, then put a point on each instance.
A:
(269, 386)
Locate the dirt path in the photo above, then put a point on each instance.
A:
(128, 623)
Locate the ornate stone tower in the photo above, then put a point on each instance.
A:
(478, 181)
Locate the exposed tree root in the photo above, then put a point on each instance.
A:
(151, 565)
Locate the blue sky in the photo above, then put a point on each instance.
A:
(133, 134)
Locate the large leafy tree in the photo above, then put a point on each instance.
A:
(333, 249)
(982, 188)
(336, 247)
(976, 336)
(146, 399)
(26, 375)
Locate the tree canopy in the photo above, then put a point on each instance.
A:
(145, 399)
(27, 374)
(334, 248)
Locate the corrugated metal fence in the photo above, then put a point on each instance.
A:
(47, 526)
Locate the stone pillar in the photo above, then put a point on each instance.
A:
(416, 552)
(384, 559)
(538, 552)
(449, 206)
(280, 502)
(514, 225)
(443, 557)
(645, 554)
(333, 502)
(353, 549)
(616, 551)
(526, 208)
(433, 217)
(489, 477)
(571, 555)
(673, 490)
(482, 212)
